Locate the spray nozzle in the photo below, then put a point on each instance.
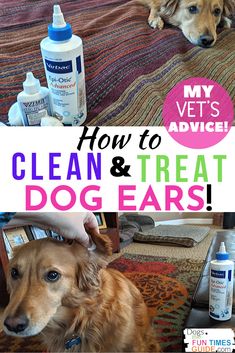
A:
(222, 253)
(222, 248)
(31, 84)
(58, 17)
(59, 30)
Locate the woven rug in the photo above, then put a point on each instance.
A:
(129, 66)
(167, 286)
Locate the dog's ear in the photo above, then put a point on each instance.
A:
(168, 7)
(88, 269)
(88, 273)
(11, 264)
(102, 242)
(87, 279)
(229, 8)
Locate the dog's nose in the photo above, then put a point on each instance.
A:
(16, 324)
(205, 41)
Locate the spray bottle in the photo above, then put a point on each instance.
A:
(221, 286)
(33, 101)
(62, 54)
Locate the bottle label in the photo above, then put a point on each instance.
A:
(218, 274)
(33, 112)
(221, 294)
(66, 83)
(55, 67)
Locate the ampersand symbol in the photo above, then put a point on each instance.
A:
(119, 169)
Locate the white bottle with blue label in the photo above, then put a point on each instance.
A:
(221, 286)
(62, 54)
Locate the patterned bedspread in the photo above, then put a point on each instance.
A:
(129, 66)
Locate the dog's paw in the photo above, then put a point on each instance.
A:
(156, 22)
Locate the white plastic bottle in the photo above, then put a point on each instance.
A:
(62, 54)
(221, 286)
(33, 101)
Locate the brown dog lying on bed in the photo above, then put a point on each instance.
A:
(64, 292)
(198, 19)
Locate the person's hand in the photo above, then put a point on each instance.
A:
(69, 225)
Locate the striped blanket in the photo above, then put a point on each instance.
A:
(129, 66)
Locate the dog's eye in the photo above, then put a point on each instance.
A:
(217, 12)
(14, 273)
(52, 276)
(193, 9)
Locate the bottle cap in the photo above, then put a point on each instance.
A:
(31, 84)
(59, 30)
(222, 253)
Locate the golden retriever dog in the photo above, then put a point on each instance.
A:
(66, 293)
(198, 19)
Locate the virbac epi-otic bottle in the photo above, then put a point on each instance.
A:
(62, 54)
(221, 286)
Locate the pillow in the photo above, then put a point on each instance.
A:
(144, 222)
(178, 235)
